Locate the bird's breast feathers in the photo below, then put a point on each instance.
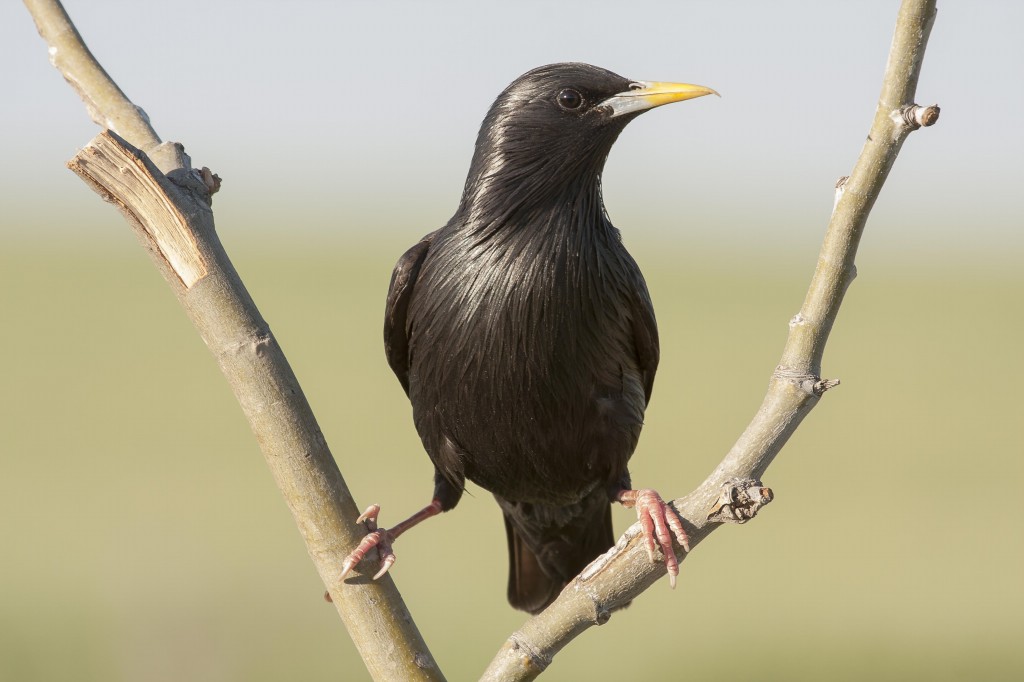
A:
(523, 355)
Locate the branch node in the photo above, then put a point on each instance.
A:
(811, 384)
(740, 500)
(840, 188)
(528, 657)
(169, 157)
(210, 179)
(823, 385)
(915, 116)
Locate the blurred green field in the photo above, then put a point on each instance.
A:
(144, 539)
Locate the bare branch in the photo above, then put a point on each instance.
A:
(171, 214)
(178, 232)
(733, 491)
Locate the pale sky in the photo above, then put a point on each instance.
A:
(361, 116)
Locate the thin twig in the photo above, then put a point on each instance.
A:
(733, 491)
(109, 108)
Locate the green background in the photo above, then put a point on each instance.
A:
(143, 538)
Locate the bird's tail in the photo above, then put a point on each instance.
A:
(549, 546)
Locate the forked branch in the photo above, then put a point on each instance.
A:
(168, 205)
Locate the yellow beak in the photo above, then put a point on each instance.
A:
(644, 95)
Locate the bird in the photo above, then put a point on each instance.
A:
(524, 336)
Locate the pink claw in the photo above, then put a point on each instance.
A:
(382, 541)
(370, 514)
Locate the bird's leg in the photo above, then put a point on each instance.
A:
(660, 522)
(382, 538)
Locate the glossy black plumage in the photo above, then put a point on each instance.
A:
(523, 332)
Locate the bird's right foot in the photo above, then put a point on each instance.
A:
(381, 538)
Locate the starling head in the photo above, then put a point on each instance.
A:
(553, 127)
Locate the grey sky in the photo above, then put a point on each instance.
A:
(340, 109)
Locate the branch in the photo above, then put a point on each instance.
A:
(171, 215)
(733, 493)
(106, 104)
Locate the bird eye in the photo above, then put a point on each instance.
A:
(570, 99)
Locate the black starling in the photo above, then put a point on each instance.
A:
(524, 336)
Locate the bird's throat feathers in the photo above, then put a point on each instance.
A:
(530, 214)
(508, 186)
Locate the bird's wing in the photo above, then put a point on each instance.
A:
(396, 334)
(645, 337)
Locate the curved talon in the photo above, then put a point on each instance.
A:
(370, 514)
(659, 523)
(382, 541)
(386, 562)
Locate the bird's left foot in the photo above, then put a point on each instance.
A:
(660, 523)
